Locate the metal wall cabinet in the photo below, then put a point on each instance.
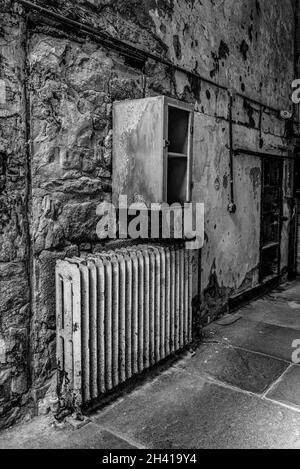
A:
(152, 150)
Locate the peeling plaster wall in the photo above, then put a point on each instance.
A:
(230, 256)
(72, 83)
(247, 44)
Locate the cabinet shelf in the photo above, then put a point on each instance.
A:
(177, 155)
(271, 245)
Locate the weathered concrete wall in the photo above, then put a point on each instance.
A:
(72, 83)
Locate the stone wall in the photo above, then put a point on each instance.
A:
(72, 87)
(14, 211)
(50, 188)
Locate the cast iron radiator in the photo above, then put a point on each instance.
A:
(119, 313)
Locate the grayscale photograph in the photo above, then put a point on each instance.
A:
(149, 228)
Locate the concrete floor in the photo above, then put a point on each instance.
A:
(240, 389)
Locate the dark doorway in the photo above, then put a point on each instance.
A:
(271, 219)
(297, 215)
(297, 177)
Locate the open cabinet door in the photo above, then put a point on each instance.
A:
(138, 150)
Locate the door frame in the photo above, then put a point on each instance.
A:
(263, 280)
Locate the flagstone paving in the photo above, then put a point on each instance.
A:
(239, 389)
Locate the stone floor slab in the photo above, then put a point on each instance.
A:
(245, 370)
(39, 434)
(287, 390)
(279, 312)
(182, 408)
(289, 291)
(257, 337)
(183, 411)
(229, 319)
(98, 439)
